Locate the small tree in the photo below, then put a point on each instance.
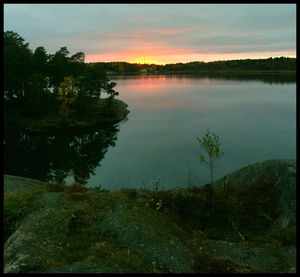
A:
(210, 146)
(67, 94)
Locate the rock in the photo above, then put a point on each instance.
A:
(39, 245)
(120, 103)
(264, 260)
(40, 237)
(283, 172)
(86, 267)
(21, 184)
(103, 226)
(151, 235)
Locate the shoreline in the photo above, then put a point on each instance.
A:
(137, 73)
(52, 124)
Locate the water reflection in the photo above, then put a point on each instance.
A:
(255, 119)
(270, 78)
(54, 157)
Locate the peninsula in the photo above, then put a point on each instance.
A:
(45, 91)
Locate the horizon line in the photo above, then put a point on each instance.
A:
(162, 64)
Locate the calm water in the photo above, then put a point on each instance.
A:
(255, 121)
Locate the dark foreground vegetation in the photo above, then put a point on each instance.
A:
(43, 90)
(73, 229)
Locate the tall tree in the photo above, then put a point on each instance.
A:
(58, 67)
(91, 81)
(76, 64)
(40, 60)
(17, 66)
(38, 101)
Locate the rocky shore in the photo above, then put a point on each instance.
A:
(53, 228)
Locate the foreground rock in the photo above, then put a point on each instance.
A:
(86, 267)
(133, 239)
(151, 235)
(283, 175)
(263, 260)
(20, 184)
(78, 230)
(40, 237)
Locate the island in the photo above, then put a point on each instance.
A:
(45, 92)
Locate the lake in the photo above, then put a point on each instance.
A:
(255, 119)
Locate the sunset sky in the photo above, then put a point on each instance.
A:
(158, 33)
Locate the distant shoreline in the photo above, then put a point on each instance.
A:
(240, 72)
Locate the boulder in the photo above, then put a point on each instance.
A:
(40, 238)
(86, 267)
(264, 260)
(40, 243)
(282, 172)
(21, 184)
(151, 235)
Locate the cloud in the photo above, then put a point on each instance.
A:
(156, 29)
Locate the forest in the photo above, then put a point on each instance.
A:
(38, 85)
(247, 65)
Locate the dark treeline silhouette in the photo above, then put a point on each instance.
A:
(53, 157)
(270, 64)
(37, 84)
(40, 87)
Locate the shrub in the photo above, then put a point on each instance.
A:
(198, 234)
(131, 193)
(204, 263)
(198, 191)
(55, 187)
(75, 192)
(75, 188)
(286, 236)
(273, 244)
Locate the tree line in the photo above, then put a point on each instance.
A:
(270, 64)
(37, 83)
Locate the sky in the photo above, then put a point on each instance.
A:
(157, 33)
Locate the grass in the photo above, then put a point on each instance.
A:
(204, 263)
(83, 245)
(244, 215)
(186, 207)
(17, 205)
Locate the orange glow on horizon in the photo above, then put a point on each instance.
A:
(146, 60)
(171, 56)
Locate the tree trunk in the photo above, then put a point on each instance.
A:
(210, 196)
(211, 174)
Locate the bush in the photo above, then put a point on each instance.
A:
(198, 234)
(204, 263)
(75, 188)
(55, 187)
(131, 193)
(286, 236)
